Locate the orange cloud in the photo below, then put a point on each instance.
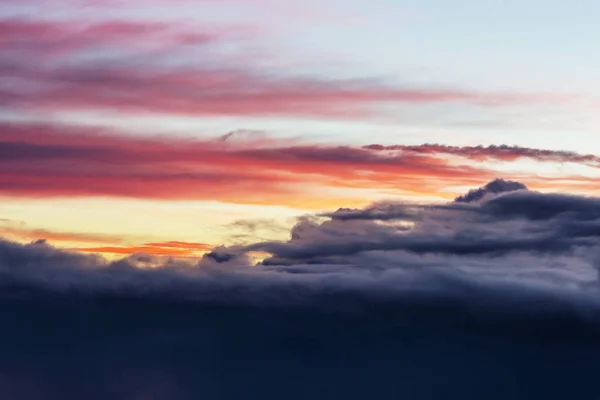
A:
(19, 231)
(107, 244)
(166, 249)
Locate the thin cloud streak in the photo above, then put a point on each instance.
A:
(74, 36)
(20, 231)
(493, 152)
(158, 249)
(222, 93)
(102, 243)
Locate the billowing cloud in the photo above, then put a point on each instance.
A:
(520, 238)
(488, 280)
(494, 187)
(475, 224)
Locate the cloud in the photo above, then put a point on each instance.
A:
(523, 242)
(219, 93)
(487, 282)
(159, 249)
(250, 230)
(50, 160)
(101, 243)
(141, 67)
(254, 225)
(69, 37)
(494, 152)
(509, 221)
(21, 231)
(494, 187)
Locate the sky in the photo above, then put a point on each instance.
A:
(173, 127)
(227, 199)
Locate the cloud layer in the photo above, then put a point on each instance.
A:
(526, 242)
(49, 160)
(462, 297)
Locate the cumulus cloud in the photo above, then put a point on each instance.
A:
(494, 187)
(500, 219)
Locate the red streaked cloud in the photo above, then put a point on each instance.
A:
(53, 160)
(196, 92)
(56, 44)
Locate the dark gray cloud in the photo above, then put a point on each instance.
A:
(460, 297)
(494, 187)
(499, 219)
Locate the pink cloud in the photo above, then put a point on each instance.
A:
(145, 67)
(43, 38)
(198, 92)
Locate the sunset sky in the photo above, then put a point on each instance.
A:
(299, 199)
(171, 127)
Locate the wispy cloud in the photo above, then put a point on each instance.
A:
(20, 231)
(70, 37)
(141, 67)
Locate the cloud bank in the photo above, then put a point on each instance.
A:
(490, 295)
(503, 238)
